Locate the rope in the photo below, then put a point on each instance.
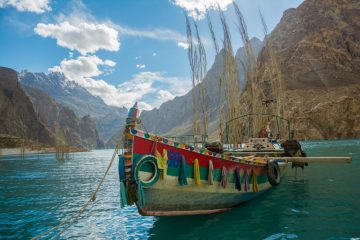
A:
(142, 125)
(153, 147)
(71, 220)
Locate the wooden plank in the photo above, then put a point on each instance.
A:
(318, 159)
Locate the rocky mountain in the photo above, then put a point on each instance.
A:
(256, 45)
(318, 49)
(117, 138)
(318, 44)
(63, 122)
(107, 118)
(325, 113)
(17, 115)
(175, 117)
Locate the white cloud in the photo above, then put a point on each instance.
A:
(109, 63)
(154, 33)
(154, 54)
(165, 95)
(36, 6)
(143, 106)
(80, 30)
(83, 37)
(140, 65)
(177, 86)
(158, 34)
(183, 45)
(55, 69)
(197, 9)
(141, 87)
(82, 67)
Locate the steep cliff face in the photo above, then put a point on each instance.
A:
(78, 99)
(317, 46)
(89, 134)
(63, 123)
(17, 115)
(325, 114)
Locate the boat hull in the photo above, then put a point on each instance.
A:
(166, 197)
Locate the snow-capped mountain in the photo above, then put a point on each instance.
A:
(108, 119)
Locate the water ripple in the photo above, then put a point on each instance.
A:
(38, 192)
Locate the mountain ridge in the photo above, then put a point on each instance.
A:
(317, 46)
(175, 116)
(63, 123)
(68, 93)
(17, 114)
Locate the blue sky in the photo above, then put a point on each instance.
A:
(122, 51)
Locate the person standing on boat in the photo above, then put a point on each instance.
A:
(268, 130)
(263, 133)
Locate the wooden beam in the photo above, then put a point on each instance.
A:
(318, 159)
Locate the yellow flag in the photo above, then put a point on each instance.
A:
(197, 172)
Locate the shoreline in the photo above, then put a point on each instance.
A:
(26, 151)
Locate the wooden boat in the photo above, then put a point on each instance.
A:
(167, 178)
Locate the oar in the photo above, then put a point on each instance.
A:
(317, 159)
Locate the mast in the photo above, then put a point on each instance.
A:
(230, 81)
(219, 76)
(201, 74)
(250, 72)
(192, 56)
(275, 87)
(198, 65)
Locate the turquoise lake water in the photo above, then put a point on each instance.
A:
(321, 202)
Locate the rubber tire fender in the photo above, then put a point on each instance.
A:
(273, 173)
(156, 175)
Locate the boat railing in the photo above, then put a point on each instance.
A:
(241, 128)
(190, 139)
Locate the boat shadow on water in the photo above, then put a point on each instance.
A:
(309, 204)
(260, 218)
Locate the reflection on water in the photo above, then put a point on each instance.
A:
(321, 202)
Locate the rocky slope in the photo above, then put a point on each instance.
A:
(63, 123)
(318, 44)
(107, 118)
(318, 49)
(332, 113)
(116, 138)
(175, 117)
(17, 115)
